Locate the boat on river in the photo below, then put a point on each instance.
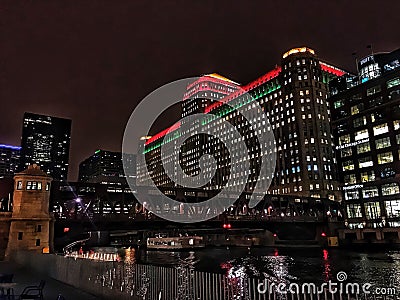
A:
(175, 243)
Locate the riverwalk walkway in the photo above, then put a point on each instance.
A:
(24, 277)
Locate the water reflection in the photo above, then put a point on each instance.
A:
(294, 265)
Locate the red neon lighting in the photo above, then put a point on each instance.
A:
(240, 91)
(267, 77)
(163, 133)
(330, 69)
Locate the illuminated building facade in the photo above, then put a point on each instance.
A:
(9, 160)
(46, 141)
(105, 167)
(294, 99)
(366, 125)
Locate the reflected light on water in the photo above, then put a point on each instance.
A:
(327, 273)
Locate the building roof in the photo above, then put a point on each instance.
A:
(33, 170)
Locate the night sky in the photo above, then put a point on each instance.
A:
(92, 61)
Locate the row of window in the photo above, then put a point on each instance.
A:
(371, 91)
(372, 191)
(372, 210)
(364, 133)
(32, 186)
(382, 158)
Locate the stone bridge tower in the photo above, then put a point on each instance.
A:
(31, 226)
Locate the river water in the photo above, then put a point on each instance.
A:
(311, 265)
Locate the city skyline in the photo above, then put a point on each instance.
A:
(74, 67)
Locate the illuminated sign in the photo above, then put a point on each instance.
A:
(353, 187)
(367, 59)
(352, 144)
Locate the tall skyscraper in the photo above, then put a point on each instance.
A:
(366, 127)
(105, 167)
(9, 160)
(294, 99)
(45, 141)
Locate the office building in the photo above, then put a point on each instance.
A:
(9, 160)
(106, 167)
(294, 98)
(46, 142)
(366, 125)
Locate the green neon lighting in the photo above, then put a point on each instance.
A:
(97, 151)
(168, 138)
(220, 113)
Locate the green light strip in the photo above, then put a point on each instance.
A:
(167, 139)
(213, 117)
(229, 109)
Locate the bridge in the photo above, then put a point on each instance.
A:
(93, 207)
(101, 203)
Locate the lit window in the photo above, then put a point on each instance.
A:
(344, 139)
(364, 147)
(370, 192)
(367, 176)
(382, 143)
(346, 152)
(354, 210)
(360, 135)
(356, 108)
(393, 208)
(384, 158)
(390, 189)
(365, 162)
(373, 90)
(393, 82)
(348, 165)
(19, 185)
(351, 195)
(338, 103)
(350, 179)
(372, 210)
(381, 129)
(359, 122)
(396, 124)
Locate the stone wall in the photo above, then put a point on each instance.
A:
(5, 219)
(84, 274)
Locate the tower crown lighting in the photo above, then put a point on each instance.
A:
(298, 50)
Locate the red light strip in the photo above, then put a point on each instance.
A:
(330, 69)
(263, 79)
(163, 133)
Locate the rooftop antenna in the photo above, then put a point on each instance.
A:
(370, 47)
(356, 59)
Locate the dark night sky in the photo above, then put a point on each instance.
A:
(92, 61)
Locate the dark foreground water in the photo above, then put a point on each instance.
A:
(296, 265)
